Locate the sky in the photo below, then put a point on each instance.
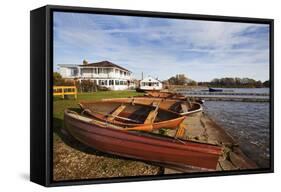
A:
(161, 47)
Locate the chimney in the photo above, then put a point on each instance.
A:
(85, 62)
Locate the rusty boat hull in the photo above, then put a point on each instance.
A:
(177, 154)
(182, 108)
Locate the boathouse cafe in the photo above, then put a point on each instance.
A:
(104, 73)
(150, 83)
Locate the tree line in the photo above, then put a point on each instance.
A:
(229, 82)
(181, 79)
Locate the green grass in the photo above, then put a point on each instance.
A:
(59, 105)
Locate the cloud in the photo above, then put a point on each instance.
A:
(203, 50)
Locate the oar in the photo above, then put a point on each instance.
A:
(90, 112)
(147, 127)
(180, 131)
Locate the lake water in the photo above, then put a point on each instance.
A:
(235, 90)
(247, 90)
(247, 122)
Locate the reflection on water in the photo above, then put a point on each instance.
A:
(248, 123)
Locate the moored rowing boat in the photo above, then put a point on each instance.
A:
(170, 95)
(159, 94)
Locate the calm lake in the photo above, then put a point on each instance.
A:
(247, 122)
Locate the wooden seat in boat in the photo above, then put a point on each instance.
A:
(116, 112)
(152, 116)
(184, 108)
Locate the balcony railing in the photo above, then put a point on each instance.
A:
(101, 75)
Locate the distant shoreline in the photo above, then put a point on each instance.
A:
(175, 87)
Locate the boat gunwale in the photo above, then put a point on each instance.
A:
(170, 120)
(132, 99)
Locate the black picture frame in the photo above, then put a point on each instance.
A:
(41, 61)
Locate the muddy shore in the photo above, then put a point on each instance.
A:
(73, 160)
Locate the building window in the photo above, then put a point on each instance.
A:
(105, 70)
(121, 82)
(95, 70)
(116, 82)
(102, 82)
(111, 82)
(99, 70)
(116, 71)
(74, 72)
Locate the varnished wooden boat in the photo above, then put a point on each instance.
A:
(159, 94)
(170, 95)
(180, 107)
(128, 114)
(178, 154)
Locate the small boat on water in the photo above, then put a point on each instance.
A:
(215, 90)
(182, 108)
(166, 151)
(128, 114)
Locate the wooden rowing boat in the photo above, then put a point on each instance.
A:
(159, 94)
(180, 107)
(128, 114)
(170, 95)
(109, 138)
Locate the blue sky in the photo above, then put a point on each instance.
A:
(203, 50)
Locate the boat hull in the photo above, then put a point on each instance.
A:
(165, 151)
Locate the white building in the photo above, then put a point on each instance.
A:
(102, 73)
(150, 83)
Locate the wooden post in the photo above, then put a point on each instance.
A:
(75, 92)
(62, 91)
